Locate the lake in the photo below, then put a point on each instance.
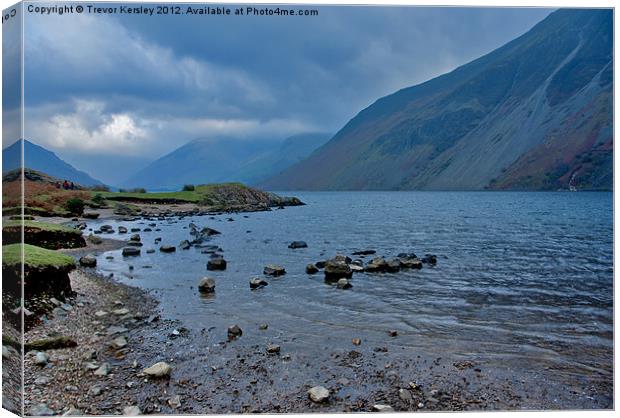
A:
(524, 281)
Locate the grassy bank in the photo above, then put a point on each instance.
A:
(35, 257)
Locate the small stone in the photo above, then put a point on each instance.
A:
(120, 312)
(73, 412)
(55, 302)
(206, 285)
(41, 358)
(119, 342)
(318, 394)
(42, 381)
(95, 390)
(41, 410)
(357, 341)
(174, 402)
(131, 252)
(343, 381)
(273, 349)
(5, 352)
(161, 369)
(71, 388)
(382, 408)
(90, 366)
(116, 330)
(131, 411)
(263, 326)
(66, 307)
(234, 331)
(100, 314)
(404, 395)
(393, 333)
(103, 370)
(420, 405)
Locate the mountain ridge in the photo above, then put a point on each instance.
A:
(438, 135)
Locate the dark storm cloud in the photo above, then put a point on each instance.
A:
(144, 85)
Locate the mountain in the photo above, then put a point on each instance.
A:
(215, 161)
(291, 151)
(38, 158)
(535, 114)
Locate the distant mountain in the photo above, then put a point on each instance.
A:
(215, 161)
(535, 114)
(38, 158)
(293, 150)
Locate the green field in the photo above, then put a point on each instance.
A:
(43, 226)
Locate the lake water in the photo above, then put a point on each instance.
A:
(522, 278)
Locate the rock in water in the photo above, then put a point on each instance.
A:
(318, 394)
(336, 269)
(320, 264)
(365, 252)
(344, 284)
(394, 265)
(298, 244)
(88, 261)
(135, 237)
(430, 259)
(311, 269)
(376, 265)
(411, 263)
(131, 411)
(274, 270)
(184, 245)
(206, 285)
(257, 282)
(167, 249)
(161, 369)
(131, 252)
(234, 331)
(216, 264)
(122, 230)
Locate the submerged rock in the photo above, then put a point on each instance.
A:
(185, 245)
(364, 252)
(411, 263)
(298, 244)
(206, 285)
(429, 259)
(394, 265)
(318, 394)
(274, 270)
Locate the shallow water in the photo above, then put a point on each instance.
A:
(524, 279)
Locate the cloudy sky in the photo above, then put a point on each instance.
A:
(109, 93)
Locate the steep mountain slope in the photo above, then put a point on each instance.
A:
(533, 114)
(214, 161)
(40, 159)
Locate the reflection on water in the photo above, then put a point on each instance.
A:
(522, 276)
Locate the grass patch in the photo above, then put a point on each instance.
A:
(199, 194)
(34, 256)
(43, 226)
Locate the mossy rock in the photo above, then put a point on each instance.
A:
(41, 234)
(45, 271)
